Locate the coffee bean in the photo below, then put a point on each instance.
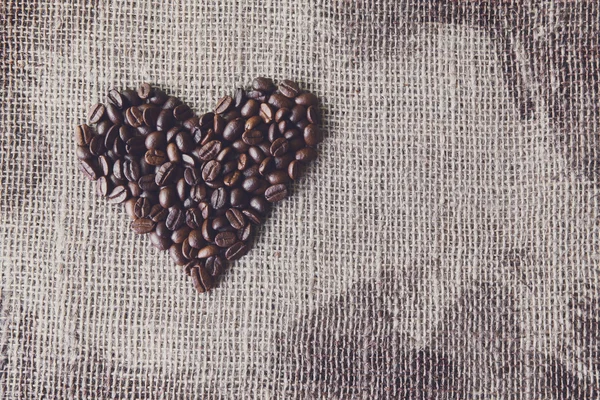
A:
(209, 137)
(312, 135)
(83, 153)
(294, 170)
(142, 225)
(134, 189)
(218, 199)
(176, 254)
(243, 162)
(118, 195)
(208, 251)
(251, 184)
(147, 182)
(253, 137)
(134, 117)
(167, 197)
(97, 145)
(280, 101)
(165, 120)
(142, 207)
(206, 120)
(171, 103)
(209, 150)
(229, 167)
(116, 98)
(250, 109)
(182, 189)
(233, 130)
(279, 147)
(114, 114)
(236, 218)
(274, 132)
(252, 216)
(219, 125)
(188, 160)
(201, 279)
(292, 134)
(223, 104)
(111, 135)
(236, 251)
(225, 239)
(129, 206)
(156, 140)
(159, 242)
(158, 213)
(192, 176)
(103, 127)
(211, 170)
(208, 233)
(313, 115)
(158, 97)
(266, 113)
(289, 89)
(215, 265)
(165, 174)
(265, 147)
(276, 193)
(251, 171)
(232, 178)
(260, 205)
(226, 154)
(302, 124)
(306, 155)
(238, 198)
(195, 238)
(83, 134)
(239, 97)
(105, 164)
(298, 113)
(150, 115)
(277, 177)
(175, 219)
(173, 153)
(198, 192)
(131, 97)
(162, 230)
(283, 161)
(220, 224)
(103, 186)
(296, 144)
(144, 91)
(257, 95)
(144, 130)
(263, 84)
(266, 166)
(187, 250)
(182, 112)
(306, 99)
(118, 169)
(89, 169)
(135, 145)
(184, 142)
(131, 170)
(179, 235)
(256, 154)
(96, 113)
(155, 157)
(281, 114)
(193, 218)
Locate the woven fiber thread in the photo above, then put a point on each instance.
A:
(444, 246)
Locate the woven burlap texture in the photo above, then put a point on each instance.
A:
(444, 246)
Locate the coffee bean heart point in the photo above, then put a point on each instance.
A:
(198, 185)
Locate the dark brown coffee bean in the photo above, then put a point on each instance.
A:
(251, 108)
(233, 130)
(253, 123)
(208, 251)
(266, 166)
(113, 114)
(302, 124)
(206, 120)
(119, 148)
(192, 176)
(162, 230)
(177, 255)
(165, 174)
(159, 242)
(134, 189)
(179, 235)
(312, 135)
(195, 238)
(96, 113)
(236, 251)
(129, 205)
(115, 97)
(229, 167)
(313, 115)
(142, 225)
(243, 162)
(175, 219)
(193, 218)
(142, 207)
(156, 140)
(201, 279)
(131, 170)
(173, 153)
(306, 99)
(257, 95)
(219, 125)
(296, 144)
(144, 91)
(298, 113)
(164, 120)
(225, 239)
(215, 265)
(231, 115)
(238, 198)
(253, 137)
(279, 147)
(251, 184)
(221, 224)
(97, 145)
(245, 233)
(256, 154)
(184, 142)
(182, 189)
(266, 113)
(144, 130)
(239, 146)
(83, 153)
(149, 114)
(282, 126)
(292, 134)
(158, 213)
(103, 127)
(198, 193)
(209, 151)
(251, 171)
(211, 170)
(252, 216)
(105, 164)
(218, 199)
(187, 250)
(209, 137)
(236, 218)
(135, 145)
(155, 157)
(172, 134)
(111, 136)
(306, 155)
(131, 97)
(103, 186)
(289, 89)
(225, 155)
(232, 178)
(171, 103)
(158, 97)
(263, 84)
(208, 233)
(223, 104)
(188, 160)
(281, 114)
(294, 169)
(118, 195)
(117, 169)
(83, 134)
(282, 162)
(260, 205)
(280, 101)
(239, 97)
(147, 182)
(182, 112)
(276, 193)
(278, 176)
(134, 117)
(167, 197)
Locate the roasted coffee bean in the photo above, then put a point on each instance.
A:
(215, 265)
(83, 134)
(165, 174)
(276, 193)
(256, 154)
(225, 239)
(188, 160)
(96, 113)
(83, 153)
(253, 123)
(129, 206)
(278, 176)
(159, 242)
(131, 170)
(243, 162)
(218, 199)
(147, 182)
(223, 104)
(257, 95)
(156, 140)
(118, 169)
(182, 112)
(238, 198)
(134, 117)
(144, 91)
(266, 113)
(250, 109)
(103, 186)
(306, 99)
(150, 115)
(250, 184)
(111, 135)
(189, 203)
(251, 171)
(262, 188)
(294, 170)
(142, 207)
(119, 148)
(289, 89)
(245, 233)
(225, 155)
(211, 170)
(193, 218)
(167, 197)
(184, 142)
(97, 145)
(103, 127)
(135, 145)
(155, 157)
(173, 153)
(172, 134)
(260, 205)
(179, 235)
(182, 189)
(306, 155)
(208, 251)
(220, 224)
(195, 238)
(292, 134)
(152, 196)
(209, 151)
(280, 101)
(209, 137)
(118, 195)
(266, 166)
(158, 97)
(219, 124)
(312, 135)
(296, 144)
(113, 114)
(239, 146)
(298, 113)
(177, 255)
(302, 124)
(229, 167)
(171, 103)
(236, 218)
(116, 98)
(239, 97)
(283, 161)
(132, 97)
(201, 279)
(263, 84)
(313, 115)
(252, 216)
(198, 192)
(158, 213)
(206, 120)
(279, 147)
(134, 189)
(105, 164)
(236, 251)
(253, 137)
(162, 230)
(192, 176)
(232, 178)
(233, 130)
(187, 250)
(282, 126)
(281, 114)
(208, 233)
(175, 219)
(164, 120)
(144, 130)
(142, 225)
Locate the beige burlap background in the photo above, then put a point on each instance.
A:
(444, 246)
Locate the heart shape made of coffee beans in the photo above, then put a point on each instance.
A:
(199, 185)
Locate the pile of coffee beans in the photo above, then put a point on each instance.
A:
(199, 185)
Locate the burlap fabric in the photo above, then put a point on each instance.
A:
(444, 246)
